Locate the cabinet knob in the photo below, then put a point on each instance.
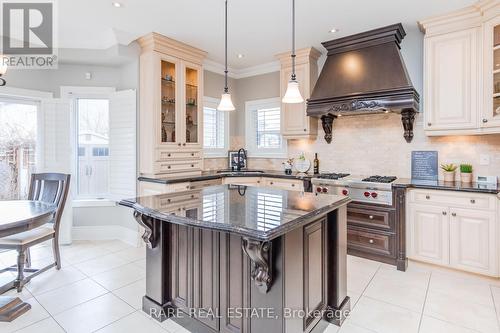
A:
(485, 120)
(192, 165)
(188, 187)
(445, 213)
(427, 197)
(169, 167)
(472, 201)
(453, 214)
(370, 217)
(192, 196)
(293, 185)
(305, 130)
(192, 154)
(429, 124)
(271, 183)
(184, 144)
(371, 241)
(169, 155)
(179, 144)
(169, 200)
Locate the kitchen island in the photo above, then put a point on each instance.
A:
(245, 259)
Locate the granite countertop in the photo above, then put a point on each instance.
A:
(254, 212)
(209, 175)
(447, 186)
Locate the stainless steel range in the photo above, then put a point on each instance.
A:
(373, 189)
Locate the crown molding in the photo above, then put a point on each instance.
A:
(215, 67)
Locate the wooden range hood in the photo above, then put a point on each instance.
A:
(365, 74)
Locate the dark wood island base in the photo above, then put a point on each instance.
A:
(212, 281)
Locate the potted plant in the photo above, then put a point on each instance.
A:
(449, 172)
(466, 173)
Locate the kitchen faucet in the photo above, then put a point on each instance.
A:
(239, 164)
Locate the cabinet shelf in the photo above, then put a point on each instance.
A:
(191, 85)
(168, 122)
(167, 81)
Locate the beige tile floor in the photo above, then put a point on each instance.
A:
(101, 284)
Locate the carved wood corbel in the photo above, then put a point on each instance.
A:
(260, 255)
(149, 236)
(327, 123)
(408, 118)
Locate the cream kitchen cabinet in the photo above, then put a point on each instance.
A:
(284, 184)
(429, 230)
(461, 79)
(246, 181)
(295, 124)
(171, 116)
(454, 229)
(150, 188)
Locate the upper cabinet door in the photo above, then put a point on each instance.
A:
(294, 119)
(491, 109)
(451, 81)
(168, 78)
(192, 107)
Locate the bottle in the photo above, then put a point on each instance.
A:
(316, 164)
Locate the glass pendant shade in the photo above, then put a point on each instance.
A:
(292, 95)
(226, 104)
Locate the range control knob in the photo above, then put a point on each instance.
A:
(318, 189)
(325, 190)
(345, 192)
(367, 194)
(374, 195)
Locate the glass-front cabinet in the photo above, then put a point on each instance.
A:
(171, 113)
(491, 115)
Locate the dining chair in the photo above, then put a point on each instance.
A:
(50, 188)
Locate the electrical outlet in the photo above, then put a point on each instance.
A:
(484, 159)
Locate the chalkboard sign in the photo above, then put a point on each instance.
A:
(424, 165)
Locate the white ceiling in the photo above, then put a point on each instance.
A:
(259, 29)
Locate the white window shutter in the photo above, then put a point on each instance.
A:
(122, 145)
(56, 136)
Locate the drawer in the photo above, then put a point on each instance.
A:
(248, 181)
(173, 167)
(284, 184)
(370, 218)
(371, 241)
(454, 199)
(165, 155)
(177, 201)
(196, 185)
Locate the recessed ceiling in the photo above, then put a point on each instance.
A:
(259, 29)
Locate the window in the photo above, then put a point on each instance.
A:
(18, 136)
(215, 129)
(213, 208)
(263, 132)
(93, 150)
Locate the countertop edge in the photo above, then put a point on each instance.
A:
(220, 176)
(456, 186)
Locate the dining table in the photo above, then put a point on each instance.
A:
(17, 216)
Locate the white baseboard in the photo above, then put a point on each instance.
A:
(107, 232)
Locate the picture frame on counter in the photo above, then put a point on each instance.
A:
(233, 160)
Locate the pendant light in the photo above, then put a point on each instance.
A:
(292, 94)
(226, 104)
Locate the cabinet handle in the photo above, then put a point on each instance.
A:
(305, 130)
(258, 182)
(445, 213)
(169, 200)
(192, 165)
(184, 144)
(271, 183)
(371, 241)
(485, 120)
(293, 185)
(192, 196)
(429, 124)
(453, 214)
(169, 167)
(188, 187)
(168, 155)
(472, 201)
(179, 144)
(427, 197)
(370, 217)
(192, 154)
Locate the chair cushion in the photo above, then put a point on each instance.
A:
(28, 236)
